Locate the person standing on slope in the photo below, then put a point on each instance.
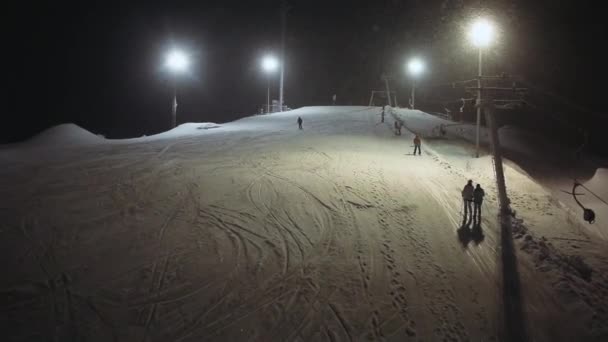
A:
(300, 122)
(467, 197)
(417, 145)
(478, 194)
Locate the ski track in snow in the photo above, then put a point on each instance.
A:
(258, 231)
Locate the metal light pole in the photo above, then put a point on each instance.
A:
(177, 62)
(284, 9)
(268, 96)
(481, 35)
(269, 65)
(478, 104)
(174, 106)
(415, 67)
(414, 94)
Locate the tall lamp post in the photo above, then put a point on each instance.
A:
(415, 67)
(176, 62)
(269, 65)
(481, 35)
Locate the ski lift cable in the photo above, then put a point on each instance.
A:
(449, 84)
(591, 192)
(459, 101)
(559, 98)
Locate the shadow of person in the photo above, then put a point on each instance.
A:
(464, 235)
(466, 220)
(477, 233)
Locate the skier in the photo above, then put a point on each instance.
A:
(467, 197)
(399, 125)
(478, 194)
(382, 114)
(396, 125)
(417, 145)
(300, 122)
(333, 100)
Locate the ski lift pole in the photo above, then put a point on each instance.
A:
(386, 78)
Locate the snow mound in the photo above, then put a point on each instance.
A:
(190, 128)
(63, 135)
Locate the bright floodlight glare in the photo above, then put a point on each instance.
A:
(177, 61)
(270, 63)
(482, 33)
(415, 66)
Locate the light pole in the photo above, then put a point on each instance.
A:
(284, 9)
(415, 67)
(176, 62)
(481, 35)
(269, 65)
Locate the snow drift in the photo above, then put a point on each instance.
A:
(63, 135)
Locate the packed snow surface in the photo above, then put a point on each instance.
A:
(259, 231)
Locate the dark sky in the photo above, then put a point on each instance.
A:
(100, 66)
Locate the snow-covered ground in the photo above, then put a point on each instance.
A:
(255, 230)
(550, 163)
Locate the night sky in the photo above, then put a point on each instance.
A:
(100, 66)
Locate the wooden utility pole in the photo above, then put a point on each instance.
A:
(503, 199)
(486, 103)
(514, 323)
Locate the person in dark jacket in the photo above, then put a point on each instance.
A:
(300, 122)
(467, 197)
(417, 144)
(478, 194)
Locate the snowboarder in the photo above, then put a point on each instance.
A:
(478, 194)
(467, 197)
(417, 144)
(300, 122)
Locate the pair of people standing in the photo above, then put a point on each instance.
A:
(472, 196)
